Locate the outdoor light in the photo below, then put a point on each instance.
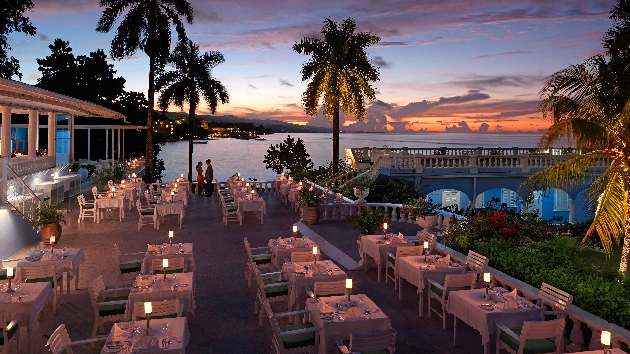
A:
(165, 266)
(486, 279)
(148, 309)
(349, 288)
(170, 236)
(9, 276)
(52, 241)
(315, 254)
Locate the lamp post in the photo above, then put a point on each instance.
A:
(9, 276)
(148, 309)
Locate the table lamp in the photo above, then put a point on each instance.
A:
(349, 287)
(148, 309)
(172, 196)
(133, 175)
(315, 254)
(425, 245)
(294, 232)
(171, 234)
(181, 175)
(384, 229)
(9, 276)
(605, 340)
(486, 279)
(165, 266)
(52, 240)
(122, 182)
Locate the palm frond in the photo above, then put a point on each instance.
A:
(565, 174)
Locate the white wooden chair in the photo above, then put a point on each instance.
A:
(259, 260)
(476, 262)
(230, 212)
(161, 309)
(175, 265)
(129, 264)
(424, 236)
(295, 338)
(373, 342)
(59, 341)
(86, 209)
(440, 292)
(273, 290)
(146, 216)
(391, 261)
(107, 307)
(556, 300)
(44, 273)
(10, 335)
(303, 256)
(326, 288)
(98, 194)
(535, 337)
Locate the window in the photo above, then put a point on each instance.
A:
(450, 197)
(508, 197)
(479, 202)
(561, 200)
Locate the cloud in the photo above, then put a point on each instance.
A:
(462, 127)
(487, 82)
(284, 82)
(43, 37)
(251, 86)
(517, 52)
(380, 62)
(382, 104)
(416, 108)
(391, 44)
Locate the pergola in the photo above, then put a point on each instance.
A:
(20, 98)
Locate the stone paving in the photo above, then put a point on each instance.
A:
(224, 321)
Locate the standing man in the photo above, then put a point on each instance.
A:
(209, 177)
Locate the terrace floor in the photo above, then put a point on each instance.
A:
(224, 320)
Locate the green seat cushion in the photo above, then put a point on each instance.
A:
(41, 280)
(274, 291)
(88, 206)
(112, 310)
(231, 209)
(262, 258)
(327, 295)
(147, 211)
(152, 201)
(438, 291)
(171, 271)
(173, 315)
(224, 192)
(532, 346)
(229, 199)
(3, 273)
(131, 267)
(391, 259)
(297, 340)
(10, 333)
(116, 298)
(382, 351)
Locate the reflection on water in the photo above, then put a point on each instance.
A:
(246, 156)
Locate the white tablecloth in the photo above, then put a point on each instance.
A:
(34, 297)
(178, 333)
(110, 203)
(297, 282)
(342, 328)
(130, 193)
(169, 252)
(160, 291)
(283, 250)
(257, 205)
(410, 269)
(161, 210)
(70, 264)
(376, 247)
(464, 304)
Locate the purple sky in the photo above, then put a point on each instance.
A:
(445, 65)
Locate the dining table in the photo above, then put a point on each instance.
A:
(167, 336)
(116, 202)
(377, 246)
(257, 205)
(335, 318)
(66, 261)
(417, 270)
(322, 271)
(176, 286)
(130, 193)
(168, 208)
(472, 308)
(282, 248)
(165, 250)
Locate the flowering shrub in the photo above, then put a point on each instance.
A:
(421, 207)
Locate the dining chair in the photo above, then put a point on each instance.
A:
(303, 256)
(59, 341)
(273, 289)
(175, 265)
(440, 292)
(151, 201)
(129, 264)
(230, 211)
(260, 260)
(391, 261)
(108, 305)
(293, 338)
(476, 262)
(425, 236)
(534, 337)
(10, 335)
(44, 273)
(160, 309)
(146, 216)
(86, 209)
(98, 194)
(326, 288)
(555, 301)
(369, 342)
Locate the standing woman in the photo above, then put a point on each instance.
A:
(200, 178)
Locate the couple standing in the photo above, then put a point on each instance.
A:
(205, 181)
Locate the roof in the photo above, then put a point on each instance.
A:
(22, 97)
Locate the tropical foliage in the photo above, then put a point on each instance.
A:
(339, 72)
(189, 83)
(590, 104)
(12, 19)
(370, 220)
(421, 207)
(309, 197)
(47, 214)
(289, 155)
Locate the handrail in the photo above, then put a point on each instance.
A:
(20, 196)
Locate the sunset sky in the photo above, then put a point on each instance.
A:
(445, 65)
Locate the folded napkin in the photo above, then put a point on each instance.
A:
(511, 295)
(446, 259)
(298, 268)
(320, 269)
(152, 248)
(145, 344)
(119, 333)
(31, 252)
(324, 307)
(401, 236)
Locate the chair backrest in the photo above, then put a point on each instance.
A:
(409, 251)
(557, 299)
(303, 256)
(173, 264)
(81, 200)
(161, 309)
(97, 287)
(272, 319)
(428, 237)
(373, 341)
(542, 330)
(38, 272)
(326, 288)
(59, 340)
(118, 253)
(460, 281)
(248, 248)
(476, 261)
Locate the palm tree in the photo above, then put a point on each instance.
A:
(340, 70)
(146, 25)
(590, 104)
(189, 82)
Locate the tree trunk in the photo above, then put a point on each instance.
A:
(148, 169)
(625, 251)
(335, 139)
(191, 131)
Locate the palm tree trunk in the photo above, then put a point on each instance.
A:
(148, 170)
(335, 139)
(191, 131)
(625, 251)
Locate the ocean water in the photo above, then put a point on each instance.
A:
(230, 156)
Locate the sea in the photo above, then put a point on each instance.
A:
(230, 156)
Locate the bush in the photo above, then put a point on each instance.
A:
(115, 173)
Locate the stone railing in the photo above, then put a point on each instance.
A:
(340, 180)
(23, 167)
(262, 187)
(368, 154)
(18, 194)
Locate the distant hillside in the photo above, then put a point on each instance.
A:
(277, 126)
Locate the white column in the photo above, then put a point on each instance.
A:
(118, 155)
(5, 149)
(52, 134)
(106, 144)
(113, 157)
(89, 145)
(33, 127)
(123, 143)
(571, 211)
(71, 132)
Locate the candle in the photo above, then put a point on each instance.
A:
(606, 338)
(348, 283)
(148, 309)
(486, 277)
(181, 175)
(122, 182)
(10, 272)
(300, 183)
(165, 263)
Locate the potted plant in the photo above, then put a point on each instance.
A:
(361, 187)
(424, 211)
(48, 220)
(309, 200)
(370, 220)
